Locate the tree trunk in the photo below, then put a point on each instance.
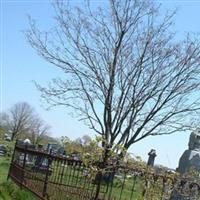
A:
(12, 137)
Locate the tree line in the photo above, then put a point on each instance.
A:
(22, 121)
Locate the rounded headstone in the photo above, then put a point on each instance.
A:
(27, 141)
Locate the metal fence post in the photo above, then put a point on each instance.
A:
(13, 155)
(23, 165)
(46, 176)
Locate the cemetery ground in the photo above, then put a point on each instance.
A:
(8, 189)
(125, 185)
(71, 180)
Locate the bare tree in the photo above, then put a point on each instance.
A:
(3, 123)
(20, 116)
(22, 119)
(126, 73)
(38, 130)
(3, 119)
(64, 140)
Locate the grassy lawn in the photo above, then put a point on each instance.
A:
(4, 165)
(8, 189)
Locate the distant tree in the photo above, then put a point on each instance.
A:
(78, 141)
(20, 117)
(126, 73)
(79, 145)
(86, 139)
(22, 120)
(64, 140)
(3, 124)
(38, 130)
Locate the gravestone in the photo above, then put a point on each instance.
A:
(61, 151)
(52, 147)
(191, 157)
(3, 150)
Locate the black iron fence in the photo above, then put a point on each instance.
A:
(59, 178)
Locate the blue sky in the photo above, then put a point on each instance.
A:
(20, 65)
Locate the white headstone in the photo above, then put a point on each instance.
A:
(27, 141)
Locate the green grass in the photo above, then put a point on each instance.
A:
(8, 189)
(4, 166)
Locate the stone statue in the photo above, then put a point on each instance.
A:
(194, 143)
(191, 157)
(152, 155)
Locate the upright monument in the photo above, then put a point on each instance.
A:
(152, 155)
(191, 157)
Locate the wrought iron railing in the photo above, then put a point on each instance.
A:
(55, 177)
